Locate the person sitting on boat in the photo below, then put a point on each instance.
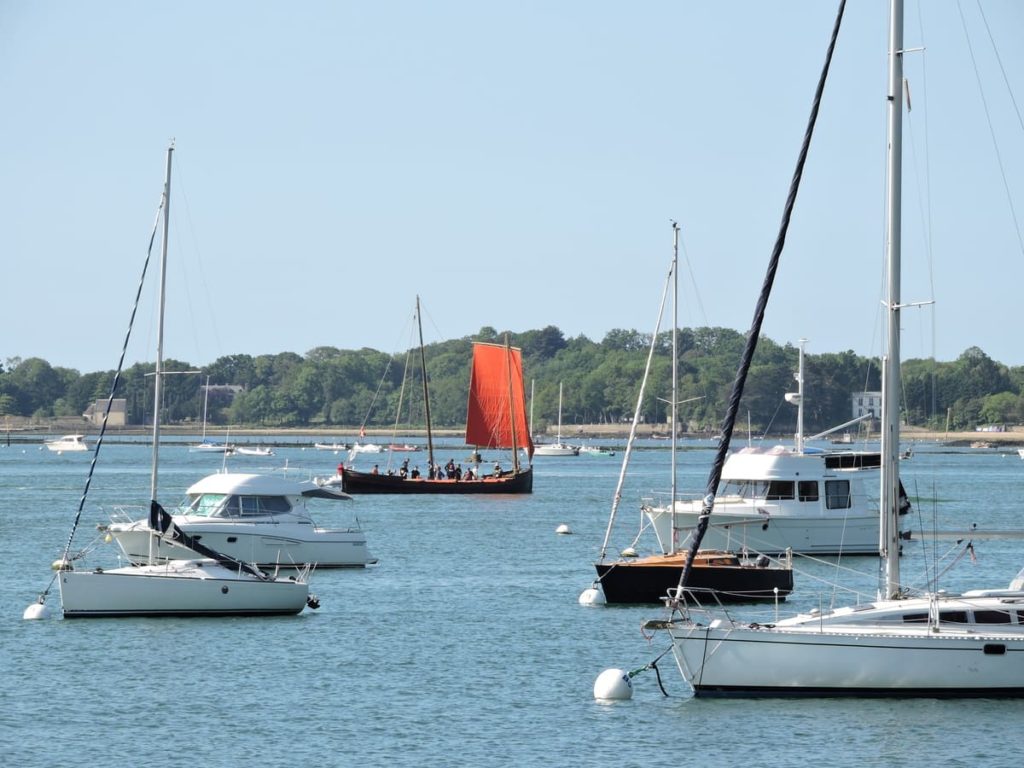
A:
(469, 474)
(404, 469)
(375, 470)
(415, 474)
(458, 472)
(497, 469)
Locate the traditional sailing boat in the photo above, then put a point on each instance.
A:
(496, 419)
(934, 644)
(718, 573)
(217, 586)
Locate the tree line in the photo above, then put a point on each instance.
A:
(338, 388)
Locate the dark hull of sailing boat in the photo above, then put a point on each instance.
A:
(648, 580)
(356, 482)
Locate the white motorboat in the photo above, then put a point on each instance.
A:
(331, 446)
(262, 519)
(932, 643)
(249, 450)
(786, 498)
(366, 448)
(67, 444)
(595, 450)
(216, 586)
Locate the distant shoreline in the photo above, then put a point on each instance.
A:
(24, 433)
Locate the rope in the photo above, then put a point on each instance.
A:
(652, 665)
(110, 398)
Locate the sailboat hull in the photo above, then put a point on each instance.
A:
(356, 482)
(555, 449)
(723, 660)
(193, 588)
(649, 580)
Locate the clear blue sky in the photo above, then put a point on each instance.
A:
(516, 164)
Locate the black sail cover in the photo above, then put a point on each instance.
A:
(715, 476)
(161, 521)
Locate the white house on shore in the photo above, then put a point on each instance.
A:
(865, 403)
(118, 412)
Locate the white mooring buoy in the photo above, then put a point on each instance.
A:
(563, 529)
(592, 595)
(613, 685)
(36, 611)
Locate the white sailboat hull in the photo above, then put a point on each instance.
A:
(943, 645)
(267, 544)
(555, 449)
(192, 588)
(210, 448)
(729, 661)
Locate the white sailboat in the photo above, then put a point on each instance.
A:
(204, 445)
(217, 586)
(934, 644)
(557, 448)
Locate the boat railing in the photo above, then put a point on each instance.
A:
(761, 510)
(703, 606)
(126, 514)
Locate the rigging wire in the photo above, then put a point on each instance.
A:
(64, 561)
(991, 130)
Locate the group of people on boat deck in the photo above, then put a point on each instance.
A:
(450, 471)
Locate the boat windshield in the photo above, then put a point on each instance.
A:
(769, 490)
(231, 505)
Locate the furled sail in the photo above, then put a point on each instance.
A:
(497, 399)
(161, 521)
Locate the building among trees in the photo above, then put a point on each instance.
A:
(118, 412)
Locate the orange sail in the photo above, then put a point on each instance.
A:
(497, 400)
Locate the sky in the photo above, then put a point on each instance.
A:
(515, 164)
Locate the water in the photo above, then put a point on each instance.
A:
(466, 646)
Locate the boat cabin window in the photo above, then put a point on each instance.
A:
(992, 617)
(807, 490)
(204, 505)
(770, 490)
(223, 505)
(948, 617)
(779, 489)
(260, 506)
(837, 494)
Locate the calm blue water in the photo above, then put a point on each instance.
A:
(466, 646)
